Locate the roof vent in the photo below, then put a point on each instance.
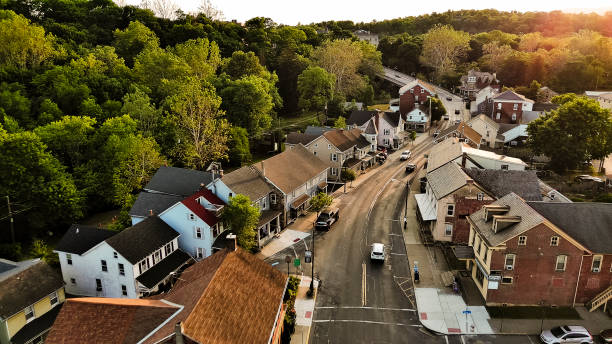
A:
(501, 222)
(494, 209)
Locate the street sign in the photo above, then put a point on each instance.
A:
(288, 259)
(296, 262)
(307, 256)
(467, 312)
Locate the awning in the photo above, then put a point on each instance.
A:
(427, 209)
(161, 270)
(322, 185)
(463, 252)
(267, 216)
(299, 201)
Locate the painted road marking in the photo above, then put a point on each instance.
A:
(364, 322)
(374, 308)
(364, 299)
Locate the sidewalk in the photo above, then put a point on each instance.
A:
(304, 310)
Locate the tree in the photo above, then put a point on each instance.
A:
(24, 45)
(320, 201)
(203, 128)
(316, 88)
(248, 103)
(442, 48)
(139, 107)
(348, 175)
(15, 103)
(342, 58)
(134, 39)
(340, 123)
(40, 249)
(210, 11)
(242, 217)
(160, 71)
(413, 136)
(578, 129)
(437, 109)
(69, 139)
(243, 64)
(495, 55)
(238, 143)
(201, 55)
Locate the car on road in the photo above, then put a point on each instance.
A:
(410, 168)
(405, 155)
(606, 335)
(449, 99)
(436, 133)
(457, 121)
(586, 178)
(377, 252)
(566, 334)
(457, 111)
(445, 117)
(327, 218)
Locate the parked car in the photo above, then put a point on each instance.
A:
(377, 252)
(405, 155)
(450, 99)
(327, 218)
(381, 158)
(457, 121)
(457, 111)
(586, 178)
(410, 168)
(566, 334)
(606, 335)
(445, 117)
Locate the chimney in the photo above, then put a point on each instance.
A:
(231, 238)
(263, 169)
(178, 334)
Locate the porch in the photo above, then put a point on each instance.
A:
(269, 225)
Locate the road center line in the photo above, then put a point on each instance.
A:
(374, 308)
(365, 322)
(364, 299)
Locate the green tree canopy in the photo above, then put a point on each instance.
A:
(134, 39)
(340, 122)
(239, 149)
(24, 45)
(442, 48)
(320, 201)
(242, 217)
(316, 88)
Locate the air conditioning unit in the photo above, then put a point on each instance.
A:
(509, 267)
(596, 269)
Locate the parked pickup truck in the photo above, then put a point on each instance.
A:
(327, 218)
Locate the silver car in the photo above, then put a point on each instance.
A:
(566, 334)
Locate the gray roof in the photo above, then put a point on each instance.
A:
(511, 95)
(443, 152)
(136, 242)
(178, 181)
(371, 128)
(295, 137)
(318, 131)
(247, 181)
(78, 239)
(27, 286)
(502, 182)
(446, 180)
(392, 118)
(588, 223)
(359, 117)
(504, 127)
(157, 202)
(529, 219)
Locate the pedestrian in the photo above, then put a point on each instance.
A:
(416, 276)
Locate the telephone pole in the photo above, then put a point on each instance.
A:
(10, 213)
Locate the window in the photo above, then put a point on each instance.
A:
(486, 253)
(515, 107)
(499, 105)
(104, 267)
(167, 249)
(121, 270)
(200, 252)
(273, 198)
(53, 298)
(216, 230)
(479, 277)
(554, 241)
(422, 90)
(73, 281)
(192, 217)
(510, 258)
(448, 229)
(387, 132)
(198, 233)
(143, 265)
(450, 210)
(334, 171)
(411, 91)
(314, 152)
(328, 146)
(29, 313)
(498, 115)
(506, 280)
(385, 141)
(98, 284)
(480, 196)
(115, 255)
(316, 144)
(522, 240)
(156, 256)
(596, 266)
(561, 262)
(334, 157)
(123, 290)
(230, 195)
(514, 116)
(69, 258)
(504, 167)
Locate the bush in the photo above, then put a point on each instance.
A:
(289, 321)
(604, 198)
(577, 199)
(11, 251)
(40, 250)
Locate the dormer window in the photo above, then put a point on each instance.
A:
(480, 196)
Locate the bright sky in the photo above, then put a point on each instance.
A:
(308, 11)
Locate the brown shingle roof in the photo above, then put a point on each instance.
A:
(345, 139)
(511, 95)
(108, 320)
(247, 181)
(292, 168)
(295, 138)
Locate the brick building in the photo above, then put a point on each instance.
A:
(415, 92)
(538, 253)
(507, 107)
(475, 81)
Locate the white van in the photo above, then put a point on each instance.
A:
(377, 252)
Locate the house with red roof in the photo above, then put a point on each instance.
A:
(197, 218)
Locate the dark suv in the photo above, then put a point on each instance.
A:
(327, 218)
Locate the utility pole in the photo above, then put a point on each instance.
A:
(10, 213)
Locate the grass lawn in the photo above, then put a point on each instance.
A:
(297, 121)
(382, 107)
(533, 312)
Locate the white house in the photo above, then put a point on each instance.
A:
(390, 128)
(197, 220)
(418, 118)
(132, 263)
